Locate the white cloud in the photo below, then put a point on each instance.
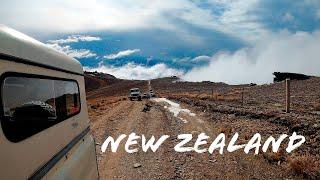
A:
(74, 38)
(287, 17)
(237, 18)
(134, 71)
(85, 15)
(201, 58)
(318, 14)
(75, 53)
(286, 52)
(122, 54)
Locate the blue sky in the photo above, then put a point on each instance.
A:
(234, 41)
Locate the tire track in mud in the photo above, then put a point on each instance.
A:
(112, 165)
(174, 127)
(126, 118)
(120, 165)
(153, 164)
(107, 123)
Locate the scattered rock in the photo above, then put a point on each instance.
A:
(277, 105)
(136, 165)
(231, 116)
(146, 108)
(281, 121)
(305, 124)
(316, 126)
(297, 127)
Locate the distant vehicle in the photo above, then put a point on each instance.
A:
(135, 94)
(151, 93)
(44, 130)
(145, 96)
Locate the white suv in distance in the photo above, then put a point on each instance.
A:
(135, 94)
(152, 94)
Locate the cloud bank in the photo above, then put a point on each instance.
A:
(60, 46)
(135, 71)
(75, 53)
(201, 58)
(74, 38)
(284, 51)
(121, 54)
(83, 15)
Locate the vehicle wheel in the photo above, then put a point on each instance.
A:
(139, 98)
(130, 99)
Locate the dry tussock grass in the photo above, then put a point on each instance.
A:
(277, 157)
(227, 130)
(101, 103)
(229, 97)
(304, 165)
(317, 106)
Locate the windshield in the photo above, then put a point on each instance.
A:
(134, 90)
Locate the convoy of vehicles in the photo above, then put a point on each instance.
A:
(135, 94)
(44, 131)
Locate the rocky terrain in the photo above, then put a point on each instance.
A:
(218, 108)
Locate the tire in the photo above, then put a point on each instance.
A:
(139, 98)
(130, 99)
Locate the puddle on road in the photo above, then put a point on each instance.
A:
(175, 108)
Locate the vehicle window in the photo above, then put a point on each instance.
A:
(135, 90)
(31, 105)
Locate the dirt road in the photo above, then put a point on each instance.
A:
(113, 118)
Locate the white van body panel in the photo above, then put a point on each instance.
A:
(78, 163)
(24, 159)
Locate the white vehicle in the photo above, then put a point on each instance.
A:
(135, 94)
(151, 93)
(44, 131)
